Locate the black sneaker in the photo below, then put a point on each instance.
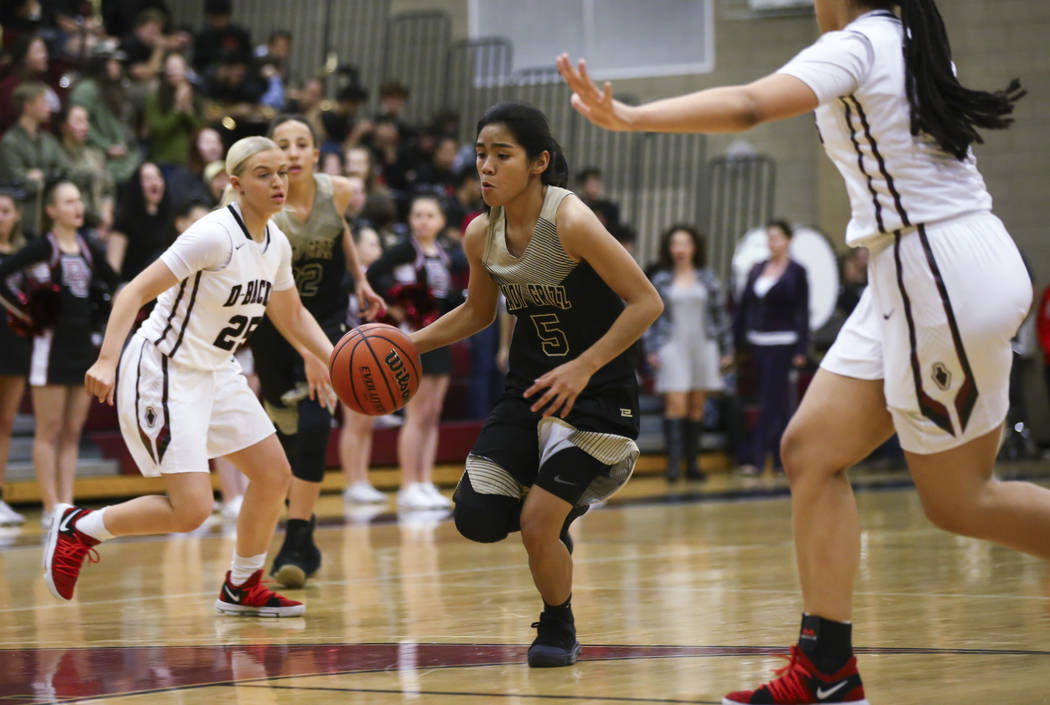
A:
(299, 558)
(555, 643)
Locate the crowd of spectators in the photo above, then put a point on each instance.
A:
(138, 112)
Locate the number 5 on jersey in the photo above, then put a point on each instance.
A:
(553, 339)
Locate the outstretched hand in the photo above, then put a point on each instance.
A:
(596, 105)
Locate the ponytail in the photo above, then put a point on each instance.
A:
(530, 128)
(940, 105)
(557, 173)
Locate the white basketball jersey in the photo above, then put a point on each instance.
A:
(895, 179)
(225, 281)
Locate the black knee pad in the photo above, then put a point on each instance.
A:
(315, 427)
(485, 518)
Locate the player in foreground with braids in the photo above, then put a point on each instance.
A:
(562, 435)
(926, 352)
(181, 396)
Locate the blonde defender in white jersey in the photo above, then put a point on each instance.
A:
(926, 353)
(180, 397)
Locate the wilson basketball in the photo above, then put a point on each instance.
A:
(375, 369)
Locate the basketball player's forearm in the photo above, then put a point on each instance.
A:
(726, 109)
(459, 323)
(622, 334)
(126, 306)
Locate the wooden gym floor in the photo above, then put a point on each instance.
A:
(682, 594)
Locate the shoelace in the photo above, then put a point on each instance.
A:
(69, 556)
(790, 683)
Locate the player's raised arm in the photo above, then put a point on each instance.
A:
(723, 109)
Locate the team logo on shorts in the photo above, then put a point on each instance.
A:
(941, 376)
(151, 417)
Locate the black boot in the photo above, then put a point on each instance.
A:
(674, 441)
(555, 643)
(693, 429)
(299, 558)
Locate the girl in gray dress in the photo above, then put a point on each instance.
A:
(687, 343)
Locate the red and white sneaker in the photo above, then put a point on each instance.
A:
(65, 550)
(253, 599)
(800, 683)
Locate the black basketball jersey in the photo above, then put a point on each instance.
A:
(318, 262)
(562, 306)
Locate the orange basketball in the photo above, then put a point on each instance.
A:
(375, 369)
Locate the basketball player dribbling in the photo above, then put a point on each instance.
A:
(562, 435)
(926, 353)
(181, 397)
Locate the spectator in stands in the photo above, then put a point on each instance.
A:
(591, 189)
(101, 92)
(415, 277)
(688, 345)
(393, 99)
(331, 162)
(217, 180)
(355, 437)
(87, 169)
(435, 175)
(20, 18)
(391, 160)
(119, 16)
(345, 125)
(78, 27)
(29, 63)
(772, 322)
(188, 183)
(219, 39)
(307, 102)
(466, 203)
(173, 115)
(143, 226)
(379, 208)
(62, 349)
(146, 46)
(272, 66)
(14, 349)
(356, 205)
(29, 154)
(234, 87)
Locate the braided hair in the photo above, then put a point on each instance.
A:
(940, 105)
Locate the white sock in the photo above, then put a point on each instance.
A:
(93, 524)
(242, 568)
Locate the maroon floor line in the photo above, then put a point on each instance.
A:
(53, 675)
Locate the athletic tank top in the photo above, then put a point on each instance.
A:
(562, 306)
(318, 263)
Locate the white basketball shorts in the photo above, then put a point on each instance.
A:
(943, 301)
(174, 418)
